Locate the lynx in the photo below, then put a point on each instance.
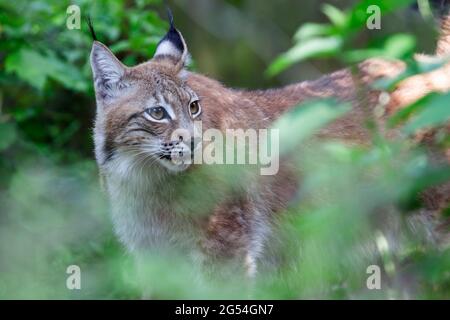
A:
(154, 198)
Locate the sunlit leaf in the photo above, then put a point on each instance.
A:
(436, 112)
(311, 48)
(305, 120)
(312, 30)
(337, 17)
(404, 113)
(397, 46)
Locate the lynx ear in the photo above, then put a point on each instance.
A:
(108, 71)
(172, 46)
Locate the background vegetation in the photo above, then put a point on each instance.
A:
(53, 214)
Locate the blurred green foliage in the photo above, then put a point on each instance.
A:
(358, 205)
(46, 78)
(52, 211)
(336, 37)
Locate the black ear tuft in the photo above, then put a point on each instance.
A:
(170, 16)
(172, 45)
(91, 28)
(173, 35)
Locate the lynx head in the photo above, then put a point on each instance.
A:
(145, 113)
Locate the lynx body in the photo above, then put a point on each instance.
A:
(156, 203)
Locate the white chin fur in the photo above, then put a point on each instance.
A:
(172, 167)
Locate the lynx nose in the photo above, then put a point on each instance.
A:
(181, 153)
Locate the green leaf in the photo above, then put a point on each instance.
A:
(312, 30)
(7, 135)
(29, 66)
(413, 67)
(35, 68)
(397, 46)
(304, 120)
(404, 113)
(120, 46)
(338, 17)
(428, 177)
(315, 47)
(357, 55)
(436, 112)
(324, 40)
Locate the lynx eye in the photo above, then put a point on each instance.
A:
(157, 113)
(194, 108)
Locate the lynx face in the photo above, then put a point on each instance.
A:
(146, 113)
